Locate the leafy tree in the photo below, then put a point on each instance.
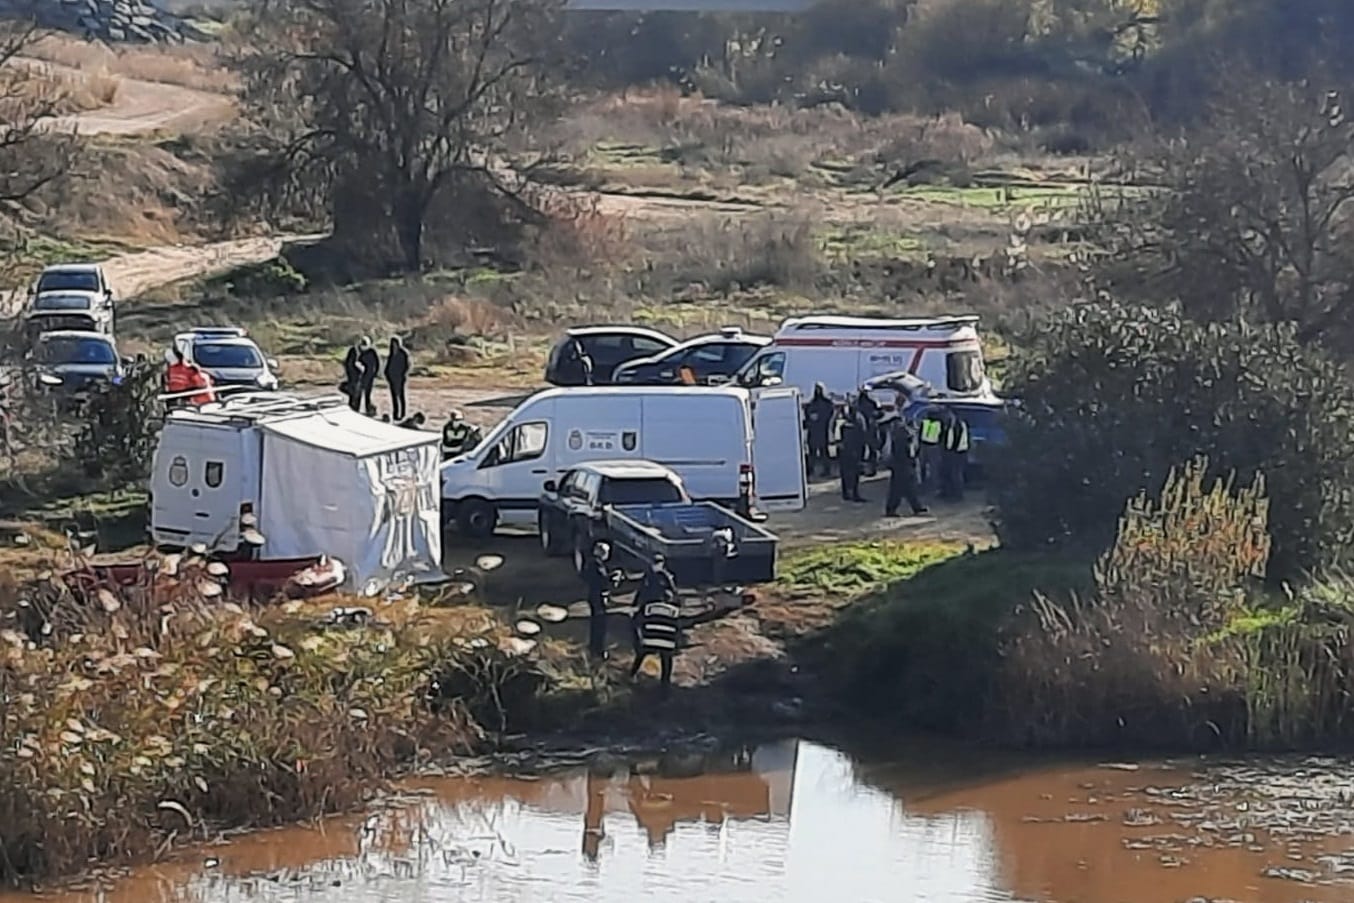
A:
(1115, 396)
(377, 111)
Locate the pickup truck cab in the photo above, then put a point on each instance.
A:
(572, 511)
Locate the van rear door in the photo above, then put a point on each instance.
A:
(202, 476)
(778, 450)
(702, 435)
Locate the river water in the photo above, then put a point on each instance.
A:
(796, 821)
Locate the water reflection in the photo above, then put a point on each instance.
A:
(792, 822)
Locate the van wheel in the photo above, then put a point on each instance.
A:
(477, 518)
(552, 544)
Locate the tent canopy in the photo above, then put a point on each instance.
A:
(346, 432)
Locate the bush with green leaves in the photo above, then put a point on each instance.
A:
(1115, 396)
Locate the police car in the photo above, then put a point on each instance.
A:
(229, 357)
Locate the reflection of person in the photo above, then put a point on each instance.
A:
(593, 832)
(652, 810)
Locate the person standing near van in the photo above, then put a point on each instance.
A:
(954, 457)
(874, 438)
(657, 585)
(397, 375)
(369, 363)
(932, 431)
(901, 449)
(818, 413)
(658, 621)
(851, 453)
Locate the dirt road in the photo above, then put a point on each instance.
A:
(143, 106)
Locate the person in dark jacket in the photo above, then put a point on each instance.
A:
(658, 585)
(902, 449)
(352, 381)
(851, 454)
(369, 365)
(818, 428)
(397, 375)
(870, 413)
(658, 629)
(953, 456)
(599, 579)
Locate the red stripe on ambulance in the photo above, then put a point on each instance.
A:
(876, 343)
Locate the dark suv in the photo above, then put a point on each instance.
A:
(606, 346)
(571, 511)
(721, 354)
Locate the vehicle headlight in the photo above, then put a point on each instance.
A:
(267, 381)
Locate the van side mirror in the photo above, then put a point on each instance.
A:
(551, 487)
(771, 381)
(272, 363)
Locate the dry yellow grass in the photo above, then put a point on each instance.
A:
(34, 85)
(195, 66)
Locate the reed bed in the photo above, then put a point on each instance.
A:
(135, 716)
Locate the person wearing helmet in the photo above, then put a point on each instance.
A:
(657, 621)
(818, 415)
(600, 581)
(458, 437)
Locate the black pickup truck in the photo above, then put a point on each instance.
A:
(642, 509)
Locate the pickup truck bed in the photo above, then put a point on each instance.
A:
(684, 532)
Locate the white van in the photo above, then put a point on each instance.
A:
(844, 352)
(709, 436)
(319, 478)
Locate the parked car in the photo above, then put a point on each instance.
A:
(73, 361)
(69, 297)
(229, 357)
(571, 512)
(607, 346)
(719, 355)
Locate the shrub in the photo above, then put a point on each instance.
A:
(1114, 396)
(119, 427)
(1128, 663)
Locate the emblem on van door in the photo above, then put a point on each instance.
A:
(629, 439)
(575, 440)
(178, 471)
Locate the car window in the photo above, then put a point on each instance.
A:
(964, 371)
(647, 346)
(61, 302)
(736, 356)
(637, 491)
(605, 342)
(226, 356)
(709, 354)
(765, 367)
(522, 443)
(68, 282)
(568, 483)
(77, 351)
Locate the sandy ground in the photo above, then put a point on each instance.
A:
(143, 106)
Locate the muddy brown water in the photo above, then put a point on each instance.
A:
(797, 821)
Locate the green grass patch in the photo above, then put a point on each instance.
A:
(924, 647)
(855, 568)
(864, 240)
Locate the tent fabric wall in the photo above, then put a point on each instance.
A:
(370, 512)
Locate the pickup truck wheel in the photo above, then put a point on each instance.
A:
(477, 518)
(552, 543)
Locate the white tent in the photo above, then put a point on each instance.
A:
(337, 483)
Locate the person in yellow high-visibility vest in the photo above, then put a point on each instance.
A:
(954, 457)
(929, 434)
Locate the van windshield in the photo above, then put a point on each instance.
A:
(964, 371)
(639, 491)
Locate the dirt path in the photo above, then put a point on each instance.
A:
(143, 106)
(139, 271)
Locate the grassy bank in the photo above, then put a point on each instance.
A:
(1171, 639)
(137, 717)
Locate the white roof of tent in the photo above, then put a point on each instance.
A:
(346, 432)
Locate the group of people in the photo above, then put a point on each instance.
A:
(655, 626)
(934, 450)
(362, 365)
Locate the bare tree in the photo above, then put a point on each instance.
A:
(32, 155)
(1254, 219)
(373, 111)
